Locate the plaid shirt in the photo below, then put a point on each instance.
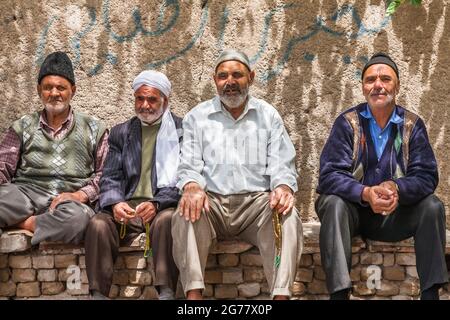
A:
(10, 153)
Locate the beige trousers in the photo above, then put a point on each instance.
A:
(244, 216)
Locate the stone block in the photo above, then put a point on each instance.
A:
(142, 278)
(232, 276)
(15, 241)
(213, 276)
(230, 246)
(304, 275)
(249, 290)
(361, 289)
(412, 272)
(3, 261)
(4, 275)
(43, 262)
(251, 259)
(410, 287)
(371, 258)
(135, 262)
(298, 289)
(208, 291)
(47, 275)
(317, 260)
(211, 262)
(394, 273)
(405, 259)
(130, 291)
(23, 275)
(28, 289)
(225, 291)
(82, 262)
(114, 291)
(20, 261)
(319, 274)
(228, 260)
(388, 259)
(388, 288)
(306, 260)
(254, 275)
(317, 287)
(65, 260)
(8, 289)
(355, 273)
(120, 263)
(52, 288)
(120, 277)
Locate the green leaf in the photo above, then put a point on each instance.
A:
(393, 6)
(416, 2)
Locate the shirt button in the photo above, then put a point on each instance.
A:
(378, 170)
(379, 137)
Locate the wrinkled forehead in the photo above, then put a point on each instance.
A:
(148, 91)
(380, 69)
(232, 66)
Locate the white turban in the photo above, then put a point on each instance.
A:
(154, 79)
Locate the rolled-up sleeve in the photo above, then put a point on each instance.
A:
(191, 163)
(9, 155)
(281, 157)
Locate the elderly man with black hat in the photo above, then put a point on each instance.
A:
(137, 189)
(238, 178)
(378, 174)
(51, 161)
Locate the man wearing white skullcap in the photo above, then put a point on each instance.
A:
(138, 192)
(238, 177)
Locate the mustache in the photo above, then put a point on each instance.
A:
(232, 87)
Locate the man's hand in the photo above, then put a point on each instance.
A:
(282, 199)
(381, 198)
(146, 210)
(192, 202)
(122, 212)
(79, 196)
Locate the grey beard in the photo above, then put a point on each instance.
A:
(234, 102)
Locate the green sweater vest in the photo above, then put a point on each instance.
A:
(63, 165)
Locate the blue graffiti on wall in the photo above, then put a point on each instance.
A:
(168, 15)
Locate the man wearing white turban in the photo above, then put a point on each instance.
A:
(137, 189)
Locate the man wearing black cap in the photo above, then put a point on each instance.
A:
(51, 161)
(238, 178)
(378, 174)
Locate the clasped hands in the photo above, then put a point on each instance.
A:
(122, 212)
(383, 198)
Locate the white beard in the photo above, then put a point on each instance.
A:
(150, 117)
(234, 102)
(56, 107)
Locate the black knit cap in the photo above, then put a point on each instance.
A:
(57, 64)
(381, 58)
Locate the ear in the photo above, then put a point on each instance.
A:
(252, 77)
(39, 90)
(74, 89)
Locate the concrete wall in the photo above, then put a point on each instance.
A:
(307, 54)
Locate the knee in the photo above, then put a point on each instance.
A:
(98, 224)
(432, 208)
(332, 207)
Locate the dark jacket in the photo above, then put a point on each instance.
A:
(336, 162)
(122, 168)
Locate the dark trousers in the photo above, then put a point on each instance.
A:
(102, 248)
(342, 220)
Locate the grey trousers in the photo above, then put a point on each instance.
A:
(66, 223)
(244, 216)
(342, 220)
(102, 248)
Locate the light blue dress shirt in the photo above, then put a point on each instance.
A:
(380, 136)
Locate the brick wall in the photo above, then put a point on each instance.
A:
(234, 271)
